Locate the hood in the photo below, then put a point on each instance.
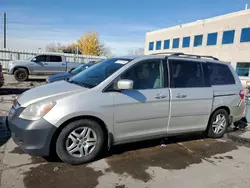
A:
(59, 76)
(53, 91)
(19, 61)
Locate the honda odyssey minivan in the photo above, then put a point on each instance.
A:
(127, 99)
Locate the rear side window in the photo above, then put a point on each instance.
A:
(54, 58)
(185, 74)
(220, 74)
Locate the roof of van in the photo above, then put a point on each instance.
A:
(186, 56)
(175, 55)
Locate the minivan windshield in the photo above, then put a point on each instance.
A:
(94, 75)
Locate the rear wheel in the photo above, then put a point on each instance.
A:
(80, 142)
(218, 124)
(21, 74)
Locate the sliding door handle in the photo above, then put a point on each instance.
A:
(181, 95)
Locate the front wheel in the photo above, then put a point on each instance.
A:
(21, 74)
(80, 142)
(218, 124)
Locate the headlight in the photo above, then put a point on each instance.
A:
(37, 110)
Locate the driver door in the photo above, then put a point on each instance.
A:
(143, 111)
(39, 65)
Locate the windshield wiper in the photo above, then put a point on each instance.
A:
(78, 83)
(73, 82)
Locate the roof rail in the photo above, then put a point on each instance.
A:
(168, 53)
(192, 55)
(182, 54)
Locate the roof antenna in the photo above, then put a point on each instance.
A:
(246, 7)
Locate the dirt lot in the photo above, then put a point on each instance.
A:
(186, 161)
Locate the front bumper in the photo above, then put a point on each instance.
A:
(34, 137)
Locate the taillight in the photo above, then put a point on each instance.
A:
(242, 94)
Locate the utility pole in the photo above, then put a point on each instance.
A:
(4, 31)
(77, 49)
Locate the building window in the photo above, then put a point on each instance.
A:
(186, 42)
(228, 37)
(243, 69)
(166, 44)
(151, 46)
(245, 35)
(198, 40)
(212, 39)
(158, 45)
(176, 43)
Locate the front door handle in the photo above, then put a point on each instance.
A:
(160, 96)
(63, 64)
(181, 95)
(45, 63)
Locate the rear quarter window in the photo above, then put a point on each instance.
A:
(220, 74)
(53, 58)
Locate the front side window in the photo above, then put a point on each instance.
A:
(212, 39)
(228, 37)
(186, 42)
(185, 74)
(245, 35)
(220, 74)
(55, 58)
(151, 46)
(145, 75)
(99, 72)
(41, 58)
(176, 43)
(198, 40)
(158, 45)
(243, 69)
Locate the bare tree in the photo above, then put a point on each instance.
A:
(138, 51)
(54, 47)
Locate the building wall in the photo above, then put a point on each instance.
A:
(236, 52)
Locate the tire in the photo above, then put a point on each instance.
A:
(63, 141)
(1, 83)
(214, 132)
(21, 74)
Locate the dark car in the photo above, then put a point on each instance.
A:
(65, 75)
(1, 76)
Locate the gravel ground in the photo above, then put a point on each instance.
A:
(12, 87)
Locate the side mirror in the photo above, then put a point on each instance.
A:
(125, 84)
(34, 59)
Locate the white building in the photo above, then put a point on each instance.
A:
(226, 37)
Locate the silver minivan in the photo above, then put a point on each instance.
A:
(127, 99)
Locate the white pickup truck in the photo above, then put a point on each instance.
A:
(45, 64)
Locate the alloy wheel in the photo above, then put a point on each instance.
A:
(81, 142)
(219, 123)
